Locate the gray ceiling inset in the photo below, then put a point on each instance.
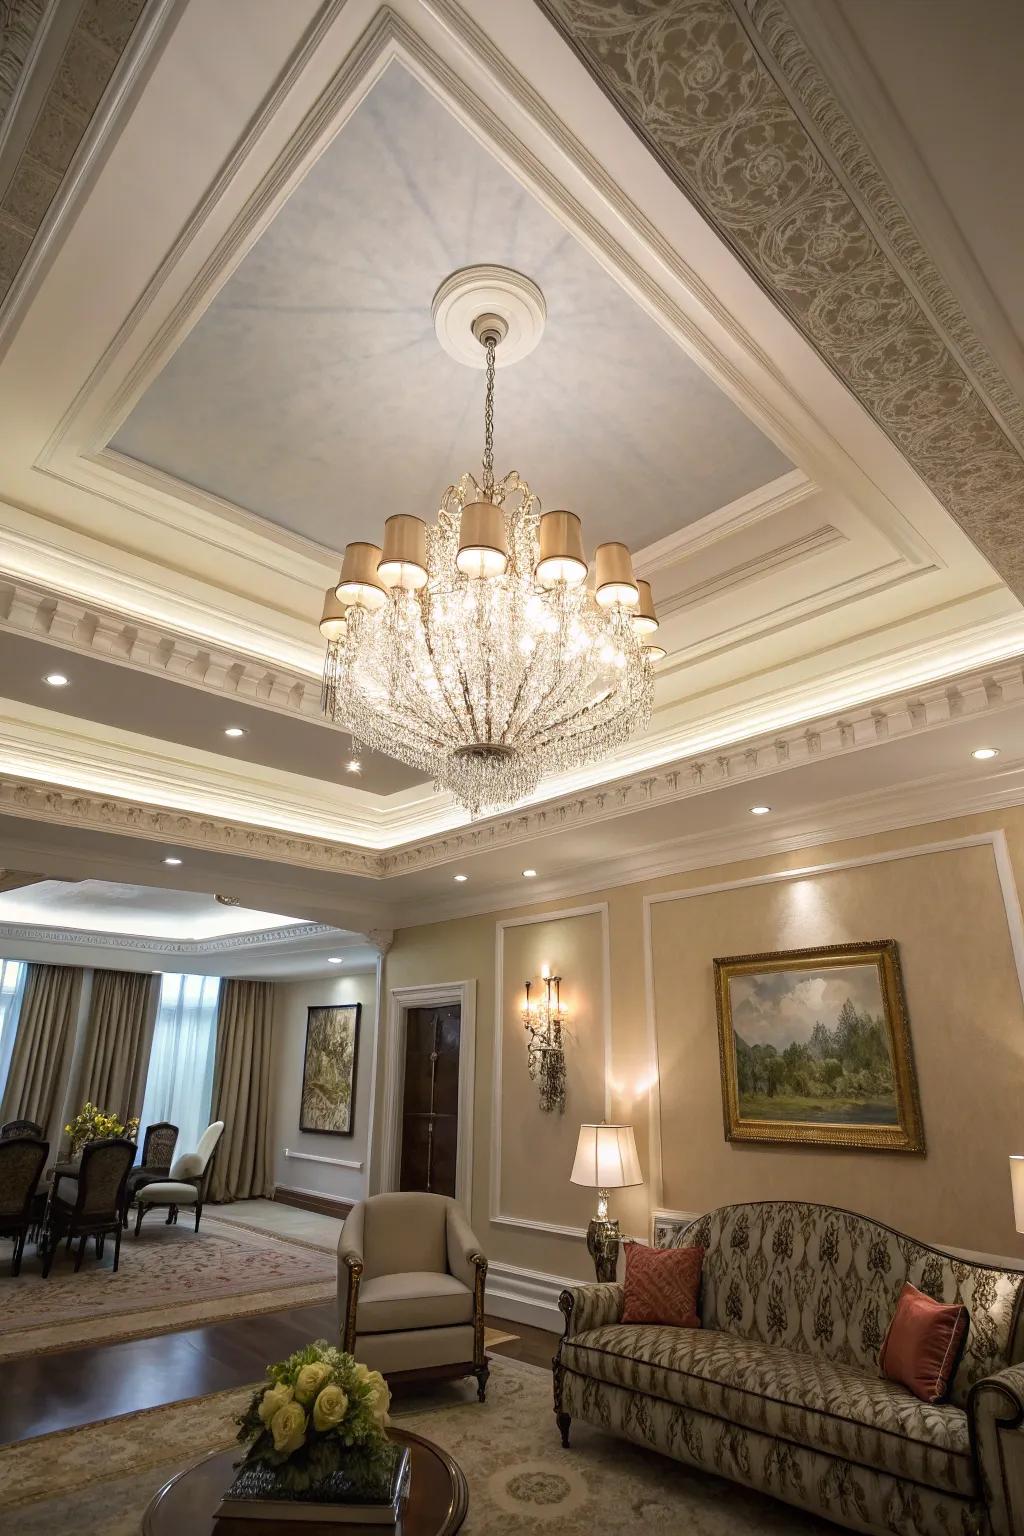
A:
(314, 392)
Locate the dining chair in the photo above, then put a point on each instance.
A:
(92, 1204)
(21, 1128)
(188, 1183)
(22, 1159)
(157, 1156)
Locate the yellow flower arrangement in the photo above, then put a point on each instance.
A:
(92, 1124)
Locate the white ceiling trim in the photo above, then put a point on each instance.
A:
(39, 933)
(109, 805)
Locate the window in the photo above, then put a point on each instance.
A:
(12, 985)
(179, 1085)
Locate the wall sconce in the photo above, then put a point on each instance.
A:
(543, 1020)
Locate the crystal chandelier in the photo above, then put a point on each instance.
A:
(473, 649)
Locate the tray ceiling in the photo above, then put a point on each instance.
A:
(313, 391)
(103, 906)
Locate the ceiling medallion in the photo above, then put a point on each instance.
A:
(474, 649)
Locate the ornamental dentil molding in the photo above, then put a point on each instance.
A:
(94, 631)
(983, 691)
(37, 933)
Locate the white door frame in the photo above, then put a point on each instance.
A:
(400, 1000)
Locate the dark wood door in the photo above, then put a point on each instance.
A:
(430, 1106)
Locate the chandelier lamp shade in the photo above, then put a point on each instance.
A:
(474, 648)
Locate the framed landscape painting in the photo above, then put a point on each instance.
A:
(815, 1048)
(329, 1069)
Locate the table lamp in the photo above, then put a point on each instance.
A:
(605, 1159)
(1017, 1189)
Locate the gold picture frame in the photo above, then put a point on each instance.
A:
(813, 1067)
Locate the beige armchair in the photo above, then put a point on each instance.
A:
(411, 1282)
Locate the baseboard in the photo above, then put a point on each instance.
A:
(525, 1295)
(311, 1200)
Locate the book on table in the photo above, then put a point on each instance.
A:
(256, 1495)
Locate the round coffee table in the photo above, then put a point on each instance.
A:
(437, 1504)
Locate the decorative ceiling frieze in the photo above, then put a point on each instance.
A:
(983, 691)
(94, 45)
(728, 100)
(226, 944)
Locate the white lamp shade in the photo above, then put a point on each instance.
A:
(606, 1158)
(1017, 1186)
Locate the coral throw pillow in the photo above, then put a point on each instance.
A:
(923, 1344)
(662, 1285)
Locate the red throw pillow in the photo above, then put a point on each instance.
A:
(923, 1344)
(662, 1285)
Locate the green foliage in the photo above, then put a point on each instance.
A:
(849, 1062)
(357, 1444)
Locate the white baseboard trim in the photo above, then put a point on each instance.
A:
(525, 1295)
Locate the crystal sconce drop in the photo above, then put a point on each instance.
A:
(544, 1020)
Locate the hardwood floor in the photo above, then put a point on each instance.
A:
(55, 1391)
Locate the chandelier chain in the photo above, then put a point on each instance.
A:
(489, 345)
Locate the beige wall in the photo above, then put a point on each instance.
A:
(946, 911)
(292, 999)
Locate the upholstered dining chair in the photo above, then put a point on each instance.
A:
(188, 1183)
(22, 1160)
(411, 1279)
(157, 1156)
(21, 1128)
(91, 1204)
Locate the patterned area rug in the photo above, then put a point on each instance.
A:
(169, 1278)
(98, 1480)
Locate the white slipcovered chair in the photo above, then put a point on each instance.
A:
(411, 1279)
(188, 1183)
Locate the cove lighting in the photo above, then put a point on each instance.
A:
(759, 810)
(984, 753)
(56, 679)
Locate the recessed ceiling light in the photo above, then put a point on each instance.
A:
(56, 679)
(334, 960)
(171, 860)
(460, 878)
(234, 730)
(354, 765)
(529, 874)
(983, 753)
(759, 810)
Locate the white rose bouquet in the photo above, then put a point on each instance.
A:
(321, 1413)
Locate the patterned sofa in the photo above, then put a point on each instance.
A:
(779, 1389)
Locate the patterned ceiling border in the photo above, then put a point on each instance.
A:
(691, 79)
(39, 933)
(983, 691)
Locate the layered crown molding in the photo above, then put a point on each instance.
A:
(226, 944)
(984, 691)
(730, 102)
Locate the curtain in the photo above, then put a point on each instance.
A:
(12, 988)
(241, 1091)
(117, 1040)
(179, 1084)
(48, 1009)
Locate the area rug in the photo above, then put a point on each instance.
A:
(97, 1480)
(169, 1278)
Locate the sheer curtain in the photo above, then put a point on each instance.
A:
(12, 989)
(179, 1084)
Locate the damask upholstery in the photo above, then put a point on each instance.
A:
(22, 1159)
(411, 1280)
(780, 1388)
(96, 1210)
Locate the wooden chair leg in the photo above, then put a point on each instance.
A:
(117, 1249)
(19, 1249)
(140, 1211)
(172, 1215)
(48, 1252)
(100, 1239)
(81, 1253)
(199, 1212)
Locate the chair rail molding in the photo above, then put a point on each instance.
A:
(497, 1216)
(400, 1000)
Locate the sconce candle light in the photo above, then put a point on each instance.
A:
(543, 1020)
